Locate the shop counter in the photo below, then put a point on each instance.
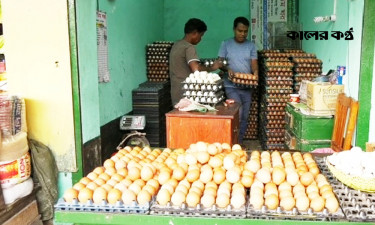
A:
(184, 128)
(136, 219)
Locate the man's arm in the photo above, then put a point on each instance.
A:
(195, 65)
(254, 67)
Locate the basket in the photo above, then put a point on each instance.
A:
(357, 183)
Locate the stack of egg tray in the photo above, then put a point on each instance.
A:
(244, 80)
(204, 93)
(252, 123)
(153, 99)
(198, 211)
(157, 60)
(358, 206)
(306, 67)
(275, 84)
(89, 206)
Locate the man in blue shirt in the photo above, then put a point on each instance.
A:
(241, 55)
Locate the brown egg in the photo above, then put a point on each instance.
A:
(312, 188)
(237, 200)
(203, 157)
(302, 203)
(143, 197)
(128, 196)
(120, 164)
(135, 188)
(150, 189)
(285, 193)
(112, 182)
(168, 187)
(123, 172)
(99, 195)
(307, 178)
(104, 176)
(206, 175)
(179, 173)
(278, 175)
(85, 180)
(163, 197)
(192, 199)
(92, 176)
(147, 173)
(178, 198)
(263, 175)
(92, 185)
(272, 201)
(140, 183)
(109, 163)
(99, 170)
(292, 178)
(313, 194)
(134, 173)
(212, 149)
(285, 186)
(317, 204)
(219, 176)
(182, 188)
(210, 191)
(215, 162)
(208, 200)
(84, 195)
(247, 181)
(222, 200)
(107, 187)
(70, 194)
(233, 175)
(78, 186)
(257, 201)
(163, 177)
(287, 203)
(332, 204)
(113, 196)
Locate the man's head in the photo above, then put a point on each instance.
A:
(195, 28)
(240, 29)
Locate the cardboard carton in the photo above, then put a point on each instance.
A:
(322, 97)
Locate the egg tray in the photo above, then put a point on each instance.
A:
(304, 69)
(245, 85)
(300, 79)
(199, 211)
(119, 207)
(307, 60)
(283, 83)
(357, 205)
(302, 55)
(307, 65)
(202, 87)
(287, 64)
(277, 73)
(294, 214)
(277, 69)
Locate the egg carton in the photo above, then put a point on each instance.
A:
(294, 214)
(212, 101)
(278, 73)
(202, 87)
(216, 82)
(198, 211)
(276, 59)
(245, 85)
(356, 205)
(211, 94)
(104, 207)
(305, 69)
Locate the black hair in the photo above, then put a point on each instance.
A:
(242, 20)
(195, 24)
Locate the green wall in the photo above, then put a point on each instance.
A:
(333, 52)
(88, 69)
(217, 14)
(131, 25)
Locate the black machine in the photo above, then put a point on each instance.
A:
(134, 123)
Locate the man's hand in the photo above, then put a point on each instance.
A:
(217, 64)
(230, 74)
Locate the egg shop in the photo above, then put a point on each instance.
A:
(91, 132)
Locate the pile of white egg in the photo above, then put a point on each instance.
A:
(202, 77)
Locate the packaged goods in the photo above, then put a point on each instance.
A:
(12, 115)
(18, 191)
(322, 97)
(14, 172)
(13, 147)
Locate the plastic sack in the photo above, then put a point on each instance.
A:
(15, 172)
(18, 191)
(45, 173)
(188, 105)
(12, 115)
(13, 147)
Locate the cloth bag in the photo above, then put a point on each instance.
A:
(45, 174)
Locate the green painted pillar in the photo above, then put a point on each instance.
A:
(365, 75)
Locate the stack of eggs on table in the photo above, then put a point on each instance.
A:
(204, 173)
(289, 181)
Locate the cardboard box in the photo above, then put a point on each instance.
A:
(322, 97)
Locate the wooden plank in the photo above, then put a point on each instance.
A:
(26, 216)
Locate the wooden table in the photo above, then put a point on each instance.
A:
(184, 128)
